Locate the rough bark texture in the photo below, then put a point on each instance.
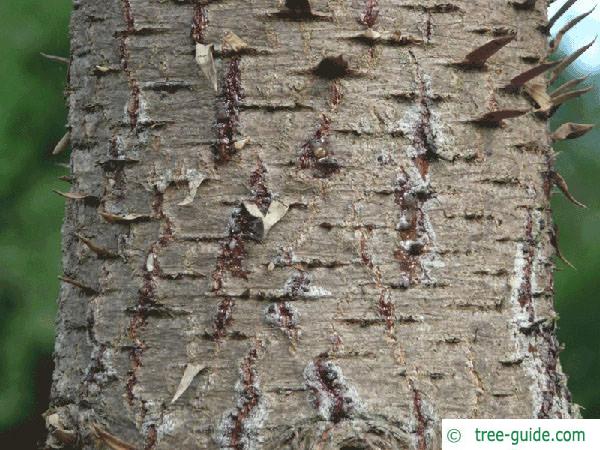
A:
(371, 260)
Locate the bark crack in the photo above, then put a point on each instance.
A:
(239, 429)
(133, 107)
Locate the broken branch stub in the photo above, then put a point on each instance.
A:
(523, 4)
(332, 67)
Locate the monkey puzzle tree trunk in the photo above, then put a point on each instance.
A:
(304, 226)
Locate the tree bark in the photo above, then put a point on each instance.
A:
(349, 240)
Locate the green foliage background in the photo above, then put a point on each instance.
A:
(32, 118)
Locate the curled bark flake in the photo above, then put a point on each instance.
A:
(567, 61)
(537, 91)
(555, 244)
(101, 70)
(555, 42)
(478, 57)
(369, 35)
(55, 58)
(190, 372)
(233, 44)
(563, 9)
(568, 85)
(57, 430)
(560, 99)
(571, 130)
(274, 214)
(194, 179)
(205, 59)
(113, 442)
(495, 118)
(77, 196)
(98, 250)
(560, 182)
(530, 74)
(63, 144)
(240, 144)
(125, 219)
(86, 289)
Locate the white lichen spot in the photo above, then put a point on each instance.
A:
(300, 284)
(143, 117)
(150, 262)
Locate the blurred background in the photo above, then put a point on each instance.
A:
(32, 121)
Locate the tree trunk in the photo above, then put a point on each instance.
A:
(345, 242)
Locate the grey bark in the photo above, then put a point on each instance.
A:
(328, 252)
